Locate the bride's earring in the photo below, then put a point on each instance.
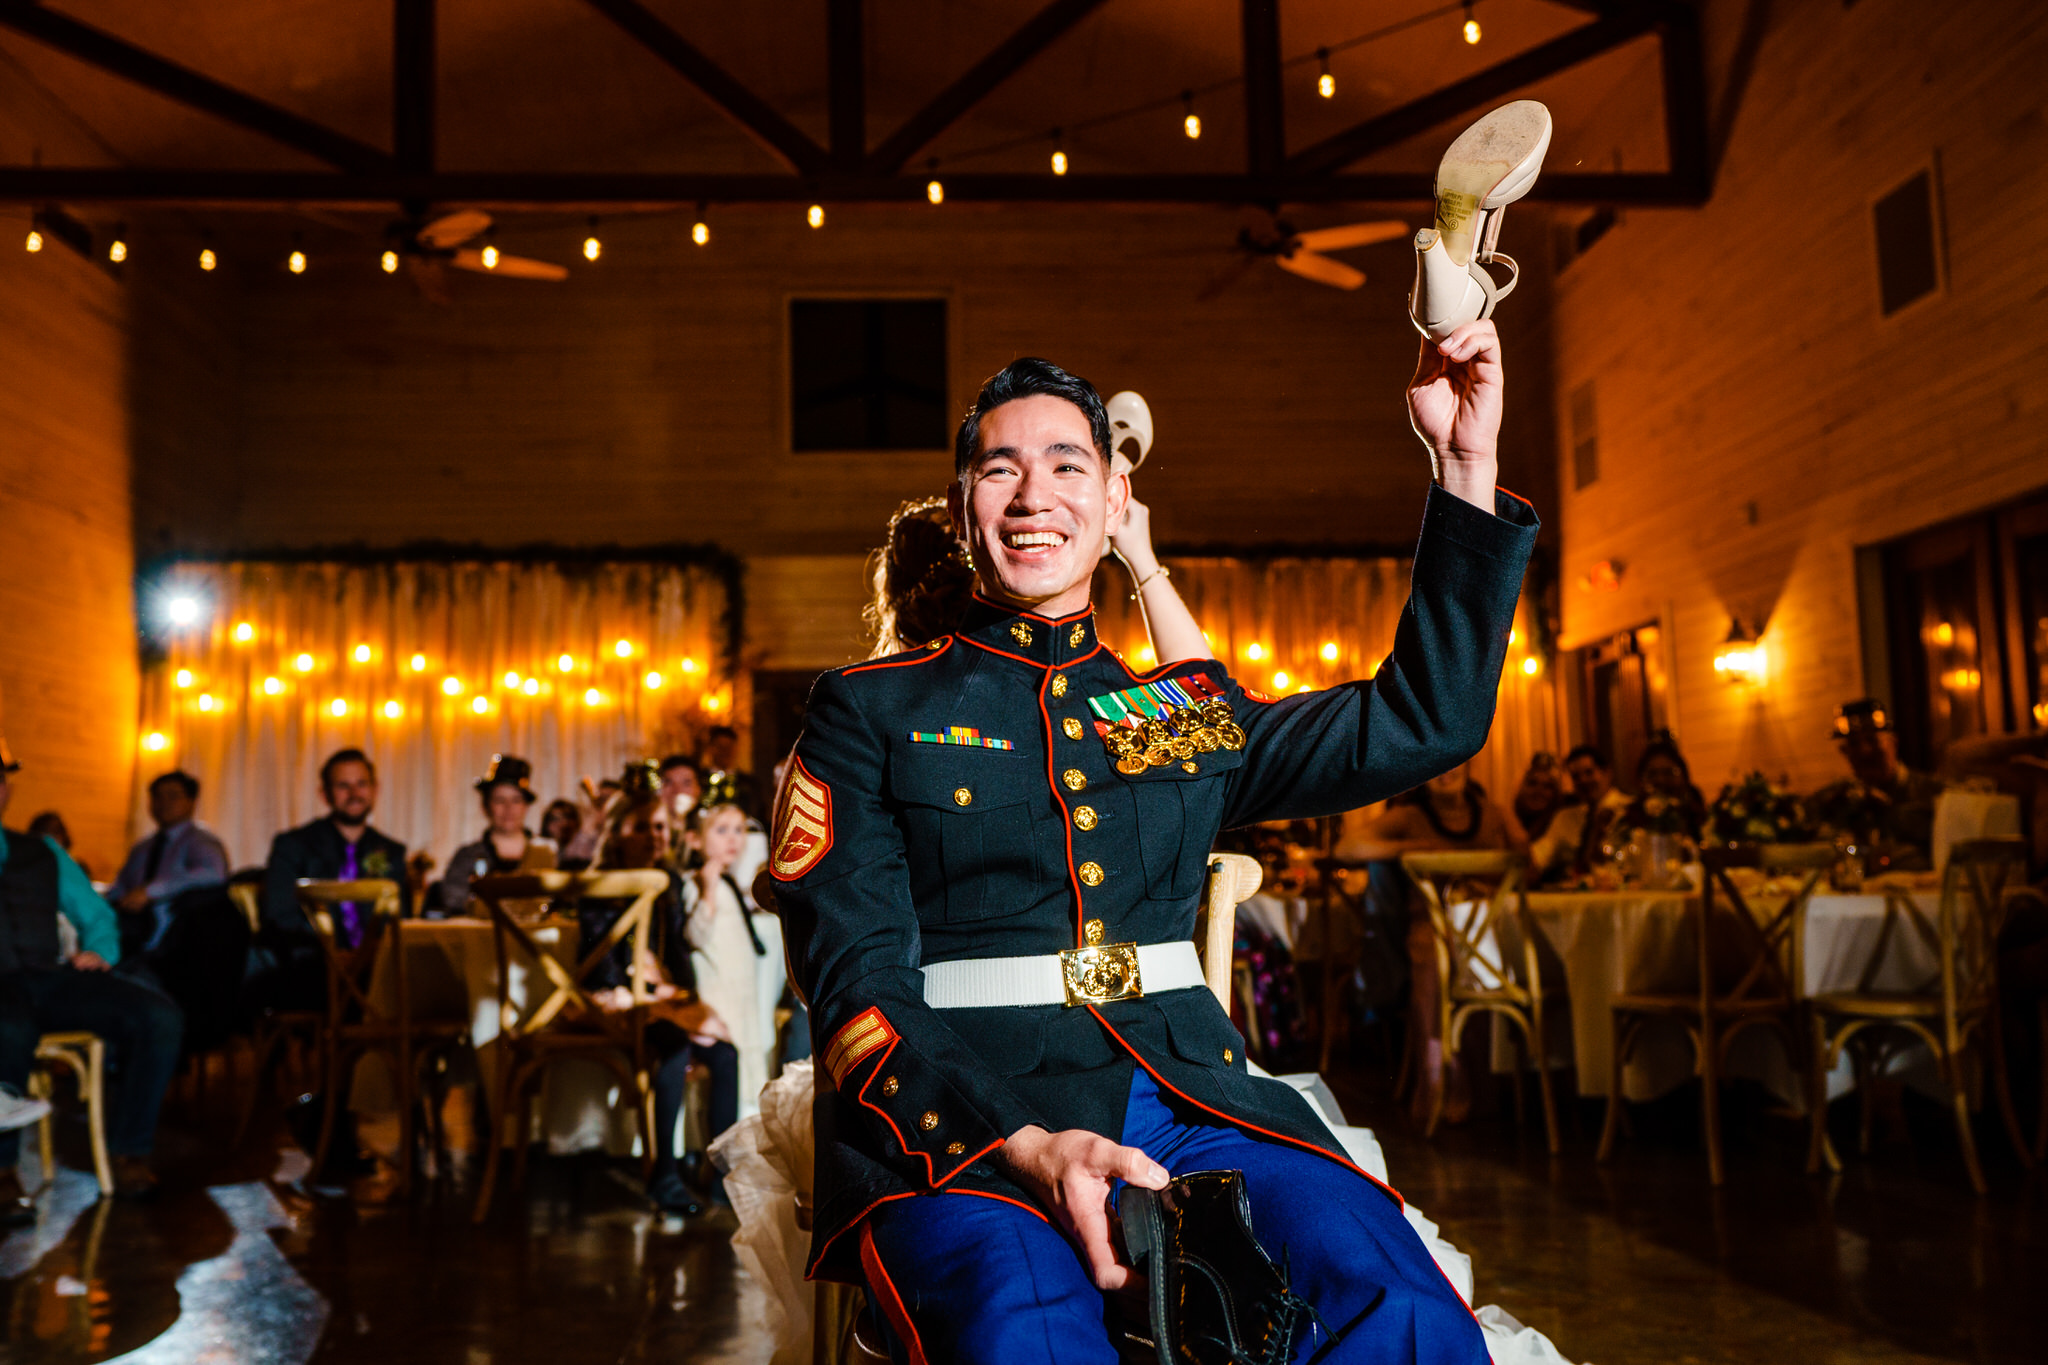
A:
(967, 553)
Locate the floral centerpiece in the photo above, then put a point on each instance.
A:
(1759, 811)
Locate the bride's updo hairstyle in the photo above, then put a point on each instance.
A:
(920, 577)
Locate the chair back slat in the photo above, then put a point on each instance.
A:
(350, 966)
(567, 994)
(1972, 914)
(1752, 954)
(1233, 880)
(1472, 951)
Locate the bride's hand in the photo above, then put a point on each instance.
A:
(1133, 540)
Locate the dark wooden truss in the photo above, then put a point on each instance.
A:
(846, 169)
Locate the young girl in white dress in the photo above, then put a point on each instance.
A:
(736, 953)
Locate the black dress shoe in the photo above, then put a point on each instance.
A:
(1214, 1295)
(669, 1194)
(17, 1210)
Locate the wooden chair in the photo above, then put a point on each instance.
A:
(272, 1031)
(84, 1055)
(356, 1025)
(1476, 973)
(1748, 976)
(568, 1022)
(1335, 901)
(1956, 1005)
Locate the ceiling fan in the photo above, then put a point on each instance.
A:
(428, 249)
(1303, 253)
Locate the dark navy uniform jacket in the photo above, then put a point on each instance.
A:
(893, 852)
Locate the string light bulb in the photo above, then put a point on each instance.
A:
(935, 192)
(117, 250)
(815, 215)
(304, 663)
(244, 632)
(35, 241)
(593, 697)
(1326, 84)
(1255, 651)
(207, 260)
(566, 663)
(1280, 682)
(154, 741)
(338, 707)
(531, 687)
(206, 701)
(689, 665)
(512, 681)
(623, 648)
(1329, 651)
(1471, 29)
(1532, 665)
(592, 248)
(700, 231)
(1059, 154)
(362, 654)
(183, 678)
(1191, 123)
(392, 710)
(653, 681)
(480, 705)
(296, 262)
(451, 686)
(419, 663)
(272, 686)
(489, 256)
(389, 260)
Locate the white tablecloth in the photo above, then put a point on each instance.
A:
(1615, 942)
(453, 969)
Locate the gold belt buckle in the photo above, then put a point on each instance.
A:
(1102, 973)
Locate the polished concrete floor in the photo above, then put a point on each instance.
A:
(1895, 1261)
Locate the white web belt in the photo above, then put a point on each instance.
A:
(1081, 976)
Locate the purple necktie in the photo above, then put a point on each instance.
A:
(351, 932)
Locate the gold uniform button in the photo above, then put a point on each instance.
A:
(1092, 932)
(1091, 873)
(1084, 817)
(1072, 727)
(889, 1086)
(1075, 779)
(964, 797)
(955, 1148)
(1228, 1056)
(1021, 633)
(1189, 767)
(1059, 684)
(929, 1121)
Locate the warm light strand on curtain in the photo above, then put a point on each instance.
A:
(431, 668)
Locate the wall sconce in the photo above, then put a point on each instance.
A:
(1741, 657)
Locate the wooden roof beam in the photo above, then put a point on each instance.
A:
(181, 84)
(752, 113)
(1009, 56)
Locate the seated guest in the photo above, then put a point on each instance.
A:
(559, 825)
(1882, 801)
(682, 787)
(286, 967)
(1450, 811)
(1572, 843)
(1667, 802)
(723, 781)
(50, 825)
(507, 846)
(682, 1029)
(181, 856)
(41, 991)
(1541, 794)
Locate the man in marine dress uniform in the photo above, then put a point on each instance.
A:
(990, 854)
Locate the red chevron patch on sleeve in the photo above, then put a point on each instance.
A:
(803, 826)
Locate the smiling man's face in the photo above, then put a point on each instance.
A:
(1034, 503)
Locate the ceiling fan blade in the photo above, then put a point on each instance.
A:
(518, 267)
(1226, 277)
(429, 278)
(1354, 234)
(455, 227)
(1321, 269)
(526, 268)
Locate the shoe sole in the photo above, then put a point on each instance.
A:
(1145, 1233)
(1490, 165)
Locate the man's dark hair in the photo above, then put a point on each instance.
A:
(1027, 378)
(675, 761)
(718, 732)
(182, 779)
(339, 757)
(1588, 751)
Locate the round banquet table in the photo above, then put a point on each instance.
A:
(1611, 942)
(453, 969)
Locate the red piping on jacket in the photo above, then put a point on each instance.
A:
(885, 1290)
(926, 657)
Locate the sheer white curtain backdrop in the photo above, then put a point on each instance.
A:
(431, 668)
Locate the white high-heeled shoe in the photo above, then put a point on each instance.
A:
(1130, 439)
(1491, 165)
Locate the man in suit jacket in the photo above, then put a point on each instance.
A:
(989, 855)
(285, 967)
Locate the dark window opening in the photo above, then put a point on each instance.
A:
(868, 374)
(1906, 266)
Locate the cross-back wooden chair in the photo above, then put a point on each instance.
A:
(84, 1055)
(356, 1023)
(1478, 971)
(567, 1021)
(1955, 1006)
(1335, 903)
(1748, 976)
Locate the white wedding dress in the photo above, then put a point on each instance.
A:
(767, 1161)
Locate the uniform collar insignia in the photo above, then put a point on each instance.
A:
(1041, 640)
